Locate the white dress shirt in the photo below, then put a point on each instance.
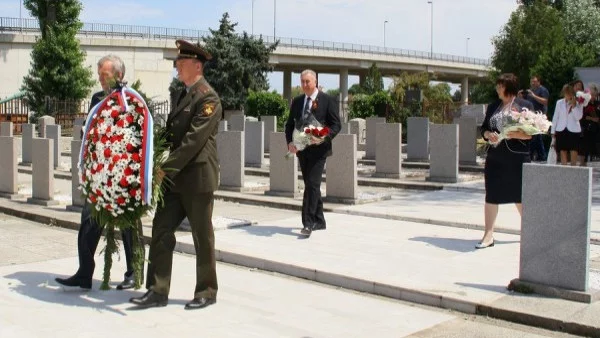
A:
(564, 119)
(312, 97)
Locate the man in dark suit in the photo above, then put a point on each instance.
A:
(111, 69)
(193, 168)
(313, 103)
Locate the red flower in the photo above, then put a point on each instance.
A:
(107, 152)
(108, 207)
(120, 200)
(130, 147)
(129, 119)
(98, 192)
(108, 129)
(139, 110)
(132, 192)
(315, 132)
(121, 123)
(94, 156)
(128, 171)
(307, 130)
(83, 177)
(93, 198)
(109, 183)
(136, 158)
(123, 183)
(324, 132)
(114, 114)
(124, 157)
(100, 166)
(111, 166)
(116, 158)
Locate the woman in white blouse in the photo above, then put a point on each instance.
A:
(566, 129)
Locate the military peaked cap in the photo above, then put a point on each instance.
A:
(187, 50)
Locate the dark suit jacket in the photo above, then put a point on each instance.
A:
(192, 128)
(327, 113)
(517, 145)
(97, 97)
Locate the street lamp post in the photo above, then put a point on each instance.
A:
(468, 46)
(274, 18)
(431, 52)
(384, 33)
(252, 17)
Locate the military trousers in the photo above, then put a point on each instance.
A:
(198, 208)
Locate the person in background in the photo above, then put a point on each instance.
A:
(566, 128)
(538, 96)
(590, 127)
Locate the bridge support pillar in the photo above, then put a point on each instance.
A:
(343, 99)
(287, 86)
(464, 91)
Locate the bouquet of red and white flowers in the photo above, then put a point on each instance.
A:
(308, 135)
(117, 158)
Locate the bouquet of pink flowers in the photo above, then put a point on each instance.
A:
(527, 121)
(117, 158)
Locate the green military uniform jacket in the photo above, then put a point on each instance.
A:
(192, 127)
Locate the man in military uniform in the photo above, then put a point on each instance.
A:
(193, 168)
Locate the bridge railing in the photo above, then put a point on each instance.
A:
(164, 33)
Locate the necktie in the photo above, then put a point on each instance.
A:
(306, 110)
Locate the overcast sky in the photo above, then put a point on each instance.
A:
(354, 21)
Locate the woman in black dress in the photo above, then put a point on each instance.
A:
(505, 158)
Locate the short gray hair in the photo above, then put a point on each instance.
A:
(309, 71)
(593, 86)
(118, 66)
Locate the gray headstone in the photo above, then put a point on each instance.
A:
(6, 129)
(388, 162)
(77, 198)
(443, 159)
(42, 172)
(78, 121)
(283, 172)
(345, 128)
(254, 144)
(227, 114)
(43, 122)
(342, 184)
(230, 149)
(358, 128)
(270, 127)
(467, 140)
(476, 111)
(555, 227)
(27, 135)
(53, 132)
(77, 132)
(237, 123)
(371, 144)
(8, 166)
(222, 126)
(417, 139)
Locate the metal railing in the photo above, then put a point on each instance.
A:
(164, 33)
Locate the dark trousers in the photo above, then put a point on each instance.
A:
(312, 166)
(198, 208)
(87, 242)
(536, 148)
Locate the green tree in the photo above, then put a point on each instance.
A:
(373, 80)
(361, 107)
(355, 89)
(335, 93)
(530, 31)
(407, 81)
(57, 67)
(240, 63)
(484, 92)
(580, 20)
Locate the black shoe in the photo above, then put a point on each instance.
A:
(150, 299)
(319, 227)
(306, 231)
(199, 303)
(127, 283)
(75, 281)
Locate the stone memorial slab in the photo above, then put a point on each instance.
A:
(345, 128)
(388, 158)
(283, 172)
(254, 152)
(27, 136)
(227, 114)
(467, 140)
(53, 132)
(230, 149)
(358, 128)
(77, 132)
(270, 127)
(6, 129)
(77, 200)
(237, 123)
(371, 143)
(79, 121)
(43, 122)
(443, 156)
(417, 139)
(8, 167)
(342, 183)
(476, 111)
(42, 172)
(555, 230)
